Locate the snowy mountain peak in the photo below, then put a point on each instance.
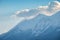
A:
(54, 3)
(48, 10)
(44, 24)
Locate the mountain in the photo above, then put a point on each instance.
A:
(42, 23)
(39, 28)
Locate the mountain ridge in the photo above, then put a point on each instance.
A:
(36, 28)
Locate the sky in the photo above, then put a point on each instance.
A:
(9, 7)
(59, 0)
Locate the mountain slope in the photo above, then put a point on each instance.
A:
(40, 28)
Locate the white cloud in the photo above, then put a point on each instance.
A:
(25, 10)
(49, 10)
(25, 14)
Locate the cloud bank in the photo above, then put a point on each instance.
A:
(49, 10)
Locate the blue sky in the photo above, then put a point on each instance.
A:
(9, 7)
(59, 0)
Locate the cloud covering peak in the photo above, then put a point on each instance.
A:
(49, 10)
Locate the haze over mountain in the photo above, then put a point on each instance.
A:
(42, 23)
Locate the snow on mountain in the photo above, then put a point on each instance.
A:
(49, 10)
(43, 24)
(41, 28)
